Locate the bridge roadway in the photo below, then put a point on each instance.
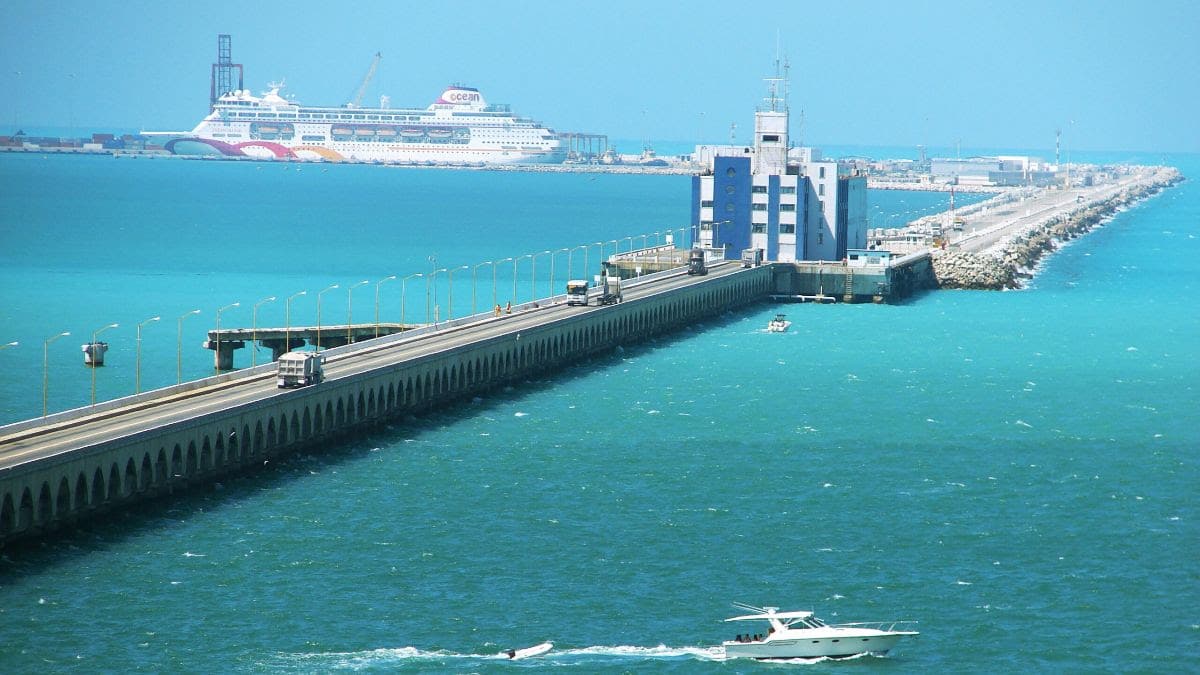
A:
(43, 443)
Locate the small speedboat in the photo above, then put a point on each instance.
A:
(536, 650)
(800, 635)
(778, 324)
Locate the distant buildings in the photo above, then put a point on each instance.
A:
(789, 202)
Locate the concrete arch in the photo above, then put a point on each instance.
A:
(361, 409)
(8, 516)
(340, 417)
(62, 502)
(271, 438)
(219, 456)
(191, 461)
(294, 429)
(306, 425)
(45, 505)
(162, 473)
(114, 484)
(25, 511)
(98, 493)
(81, 491)
(206, 456)
(131, 478)
(146, 473)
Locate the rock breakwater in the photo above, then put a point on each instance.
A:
(1005, 264)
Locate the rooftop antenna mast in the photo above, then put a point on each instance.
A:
(362, 88)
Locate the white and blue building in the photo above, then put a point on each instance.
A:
(786, 201)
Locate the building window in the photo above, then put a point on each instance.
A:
(787, 228)
(821, 189)
(706, 203)
(706, 225)
(730, 172)
(759, 207)
(729, 189)
(770, 138)
(820, 237)
(787, 207)
(759, 189)
(787, 190)
(821, 172)
(758, 228)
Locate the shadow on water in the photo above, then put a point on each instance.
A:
(127, 522)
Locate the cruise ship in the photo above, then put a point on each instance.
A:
(459, 128)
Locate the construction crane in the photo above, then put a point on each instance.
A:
(362, 88)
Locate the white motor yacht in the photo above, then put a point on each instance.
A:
(779, 324)
(800, 635)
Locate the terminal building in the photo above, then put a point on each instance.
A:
(789, 202)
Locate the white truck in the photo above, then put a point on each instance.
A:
(300, 369)
(610, 290)
(577, 292)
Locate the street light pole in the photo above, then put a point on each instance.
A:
(495, 299)
(95, 337)
(450, 293)
(138, 376)
(217, 360)
(552, 256)
(179, 347)
(432, 274)
(404, 296)
(254, 331)
(328, 288)
(350, 307)
(474, 275)
(287, 331)
(571, 262)
(46, 369)
(434, 305)
(533, 279)
(516, 266)
(377, 285)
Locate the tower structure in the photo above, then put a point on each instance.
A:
(221, 80)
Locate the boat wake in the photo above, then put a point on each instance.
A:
(599, 656)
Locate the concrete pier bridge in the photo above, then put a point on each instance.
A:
(75, 465)
(282, 340)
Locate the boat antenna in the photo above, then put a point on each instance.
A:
(750, 608)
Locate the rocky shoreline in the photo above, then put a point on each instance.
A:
(1005, 265)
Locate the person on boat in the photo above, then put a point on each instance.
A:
(512, 653)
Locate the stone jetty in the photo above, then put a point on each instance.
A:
(1006, 262)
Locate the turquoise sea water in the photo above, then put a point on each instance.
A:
(1017, 471)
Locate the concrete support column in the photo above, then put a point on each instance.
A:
(223, 357)
(281, 346)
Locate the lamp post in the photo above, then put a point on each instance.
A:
(217, 360)
(450, 293)
(379, 283)
(287, 331)
(254, 331)
(571, 262)
(516, 266)
(46, 369)
(95, 336)
(432, 275)
(495, 300)
(533, 279)
(404, 295)
(431, 305)
(179, 347)
(601, 245)
(138, 371)
(328, 288)
(350, 307)
(552, 256)
(474, 275)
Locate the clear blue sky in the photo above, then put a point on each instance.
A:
(1113, 75)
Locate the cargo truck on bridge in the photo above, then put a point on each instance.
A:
(696, 262)
(300, 369)
(577, 292)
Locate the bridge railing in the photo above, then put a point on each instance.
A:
(267, 369)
